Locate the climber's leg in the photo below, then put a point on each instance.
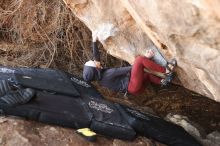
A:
(138, 76)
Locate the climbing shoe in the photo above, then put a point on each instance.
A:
(87, 134)
(21, 96)
(167, 79)
(171, 65)
(4, 87)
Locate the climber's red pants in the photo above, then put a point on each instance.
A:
(139, 78)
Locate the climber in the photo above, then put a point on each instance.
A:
(131, 79)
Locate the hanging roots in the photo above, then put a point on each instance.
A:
(41, 33)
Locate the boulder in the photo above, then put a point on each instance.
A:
(187, 30)
(212, 139)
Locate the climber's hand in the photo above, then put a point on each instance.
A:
(149, 53)
(98, 64)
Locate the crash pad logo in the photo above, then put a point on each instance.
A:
(80, 82)
(6, 70)
(100, 107)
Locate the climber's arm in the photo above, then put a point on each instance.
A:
(96, 54)
(95, 51)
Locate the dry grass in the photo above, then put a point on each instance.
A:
(41, 33)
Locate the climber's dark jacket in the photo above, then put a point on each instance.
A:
(116, 79)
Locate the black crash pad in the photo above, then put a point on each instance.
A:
(81, 106)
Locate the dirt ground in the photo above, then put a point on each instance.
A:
(205, 113)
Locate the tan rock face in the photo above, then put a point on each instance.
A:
(187, 30)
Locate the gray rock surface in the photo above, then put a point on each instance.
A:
(212, 139)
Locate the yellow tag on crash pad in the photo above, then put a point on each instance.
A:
(86, 132)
